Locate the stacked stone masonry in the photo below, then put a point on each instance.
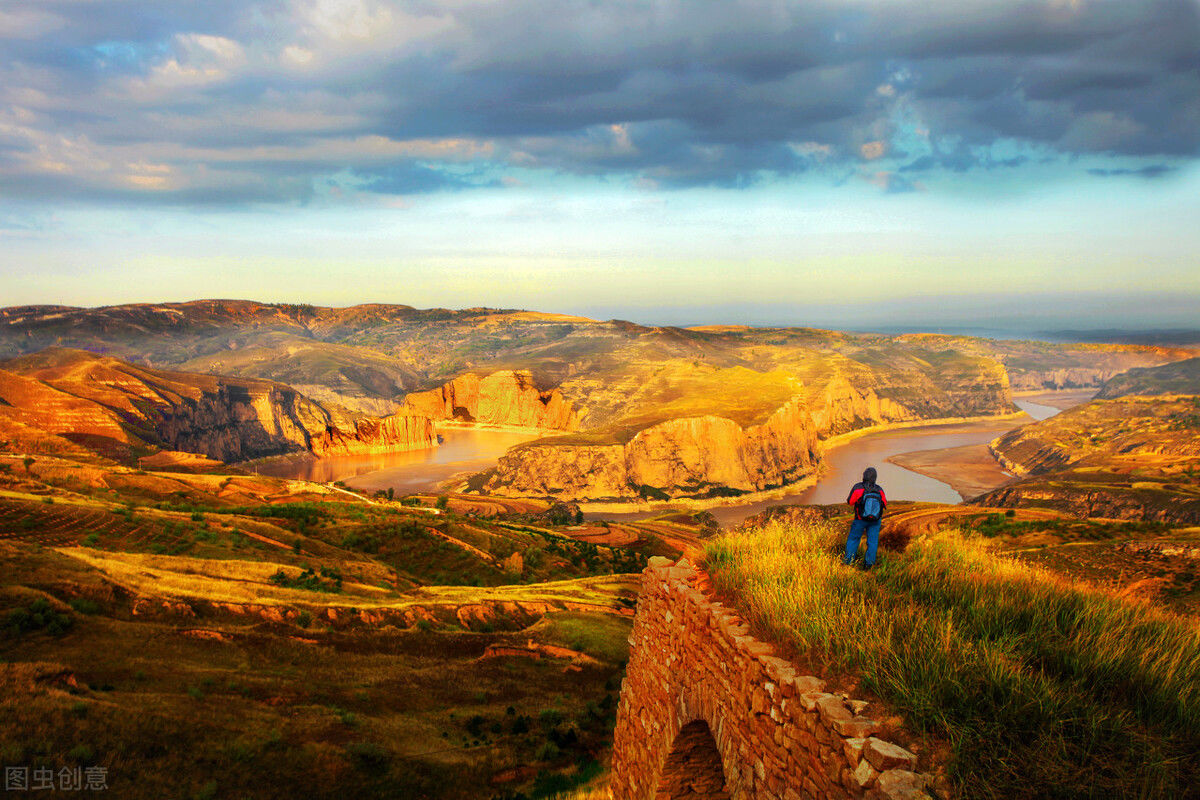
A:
(708, 712)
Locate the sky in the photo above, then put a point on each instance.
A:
(1022, 164)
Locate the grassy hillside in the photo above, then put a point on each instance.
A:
(1037, 685)
(1127, 458)
(1179, 377)
(227, 635)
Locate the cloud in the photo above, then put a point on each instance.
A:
(1150, 171)
(276, 97)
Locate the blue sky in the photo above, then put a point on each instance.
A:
(834, 163)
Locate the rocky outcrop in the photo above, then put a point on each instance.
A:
(502, 398)
(1141, 500)
(1067, 378)
(119, 409)
(251, 419)
(690, 456)
(842, 407)
(568, 472)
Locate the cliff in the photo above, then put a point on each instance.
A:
(502, 398)
(1034, 366)
(120, 410)
(1092, 496)
(842, 407)
(689, 456)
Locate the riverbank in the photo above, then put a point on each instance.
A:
(970, 470)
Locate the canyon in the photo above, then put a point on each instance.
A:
(635, 411)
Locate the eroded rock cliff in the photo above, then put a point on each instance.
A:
(502, 398)
(121, 410)
(690, 456)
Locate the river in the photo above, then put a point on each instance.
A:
(470, 450)
(460, 450)
(844, 463)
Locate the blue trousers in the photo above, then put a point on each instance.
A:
(857, 528)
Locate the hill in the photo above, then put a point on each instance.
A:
(1179, 377)
(223, 634)
(1127, 458)
(1032, 683)
(121, 411)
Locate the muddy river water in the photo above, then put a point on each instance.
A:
(460, 450)
(465, 450)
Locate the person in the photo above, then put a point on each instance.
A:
(868, 501)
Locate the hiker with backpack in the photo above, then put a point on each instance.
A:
(868, 501)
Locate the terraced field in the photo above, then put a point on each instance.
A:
(58, 523)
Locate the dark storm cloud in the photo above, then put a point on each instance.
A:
(1150, 171)
(188, 102)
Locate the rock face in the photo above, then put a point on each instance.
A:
(502, 398)
(693, 455)
(842, 408)
(710, 455)
(708, 711)
(117, 409)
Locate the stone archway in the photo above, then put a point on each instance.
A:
(693, 768)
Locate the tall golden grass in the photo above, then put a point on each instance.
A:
(1042, 686)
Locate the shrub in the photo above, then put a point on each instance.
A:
(38, 615)
(327, 579)
(85, 605)
(368, 756)
(548, 751)
(82, 753)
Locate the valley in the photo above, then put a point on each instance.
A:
(410, 570)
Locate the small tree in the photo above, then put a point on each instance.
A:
(28, 462)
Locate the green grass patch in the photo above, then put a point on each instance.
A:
(601, 636)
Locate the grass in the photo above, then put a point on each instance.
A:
(292, 710)
(1042, 687)
(233, 581)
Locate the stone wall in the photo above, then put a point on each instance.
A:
(708, 712)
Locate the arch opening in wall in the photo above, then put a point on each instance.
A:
(693, 768)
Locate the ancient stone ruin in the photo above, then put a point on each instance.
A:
(710, 713)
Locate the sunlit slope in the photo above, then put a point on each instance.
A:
(1128, 458)
(120, 410)
(368, 356)
(1037, 684)
(295, 639)
(1179, 377)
